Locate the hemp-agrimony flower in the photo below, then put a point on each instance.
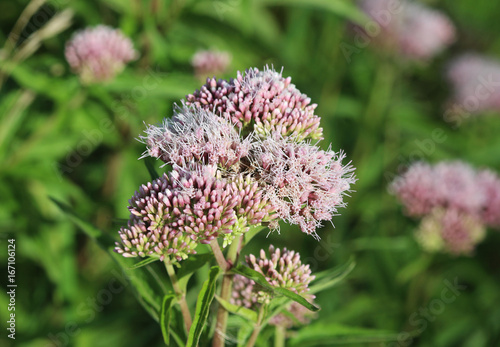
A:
(305, 184)
(175, 212)
(240, 159)
(450, 230)
(447, 184)
(99, 54)
(283, 269)
(210, 63)
(196, 135)
(470, 76)
(260, 101)
(455, 201)
(410, 28)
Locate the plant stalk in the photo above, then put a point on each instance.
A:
(227, 287)
(219, 257)
(181, 296)
(280, 336)
(257, 328)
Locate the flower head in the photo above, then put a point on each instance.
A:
(170, 215)
(489, 183)
(448, 184)
(210, 63)
(282, 269)
(260, 101)
(468, 75)
(98, 54)
(456, 203)
(196, 135)
(450, 230)
(305, 184)
(413, 30)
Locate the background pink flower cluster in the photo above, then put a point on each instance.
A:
(455, 201)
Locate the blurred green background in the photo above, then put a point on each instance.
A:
(78, 144)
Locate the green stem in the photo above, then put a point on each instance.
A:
(227, 287)
(181, 296)
(279, 336)
(257, 327)
(219, 257)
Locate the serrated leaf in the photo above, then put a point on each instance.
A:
(165, 317)
(239, 310)
(261, 280)
(205, 298)
(143, 263)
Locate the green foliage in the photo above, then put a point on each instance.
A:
(205, 298)
(68, 165)
(165, 317)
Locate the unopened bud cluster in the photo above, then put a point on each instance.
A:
(282, 269)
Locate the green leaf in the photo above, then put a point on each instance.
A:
(339, 7)
(144, 263)
(148, 161)
(331, 334)
(104, 240)
(205, 298)
(239, 310)
(332, 278)
(165, 317)
(191, 265)
(146, 293)
(261, 280)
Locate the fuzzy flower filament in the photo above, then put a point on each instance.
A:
(306, 184)
(196, 135)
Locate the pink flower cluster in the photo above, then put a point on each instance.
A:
(412, 29)
(474, 81)
(456, 203)
(170, 215)
(196, 135)
(260, 101)
(238, 161)
(306, 184)
(98, 54)
(282, 269)
(210, 63)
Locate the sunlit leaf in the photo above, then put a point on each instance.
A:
(239, 310)
(144, 263)
(205, 298)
